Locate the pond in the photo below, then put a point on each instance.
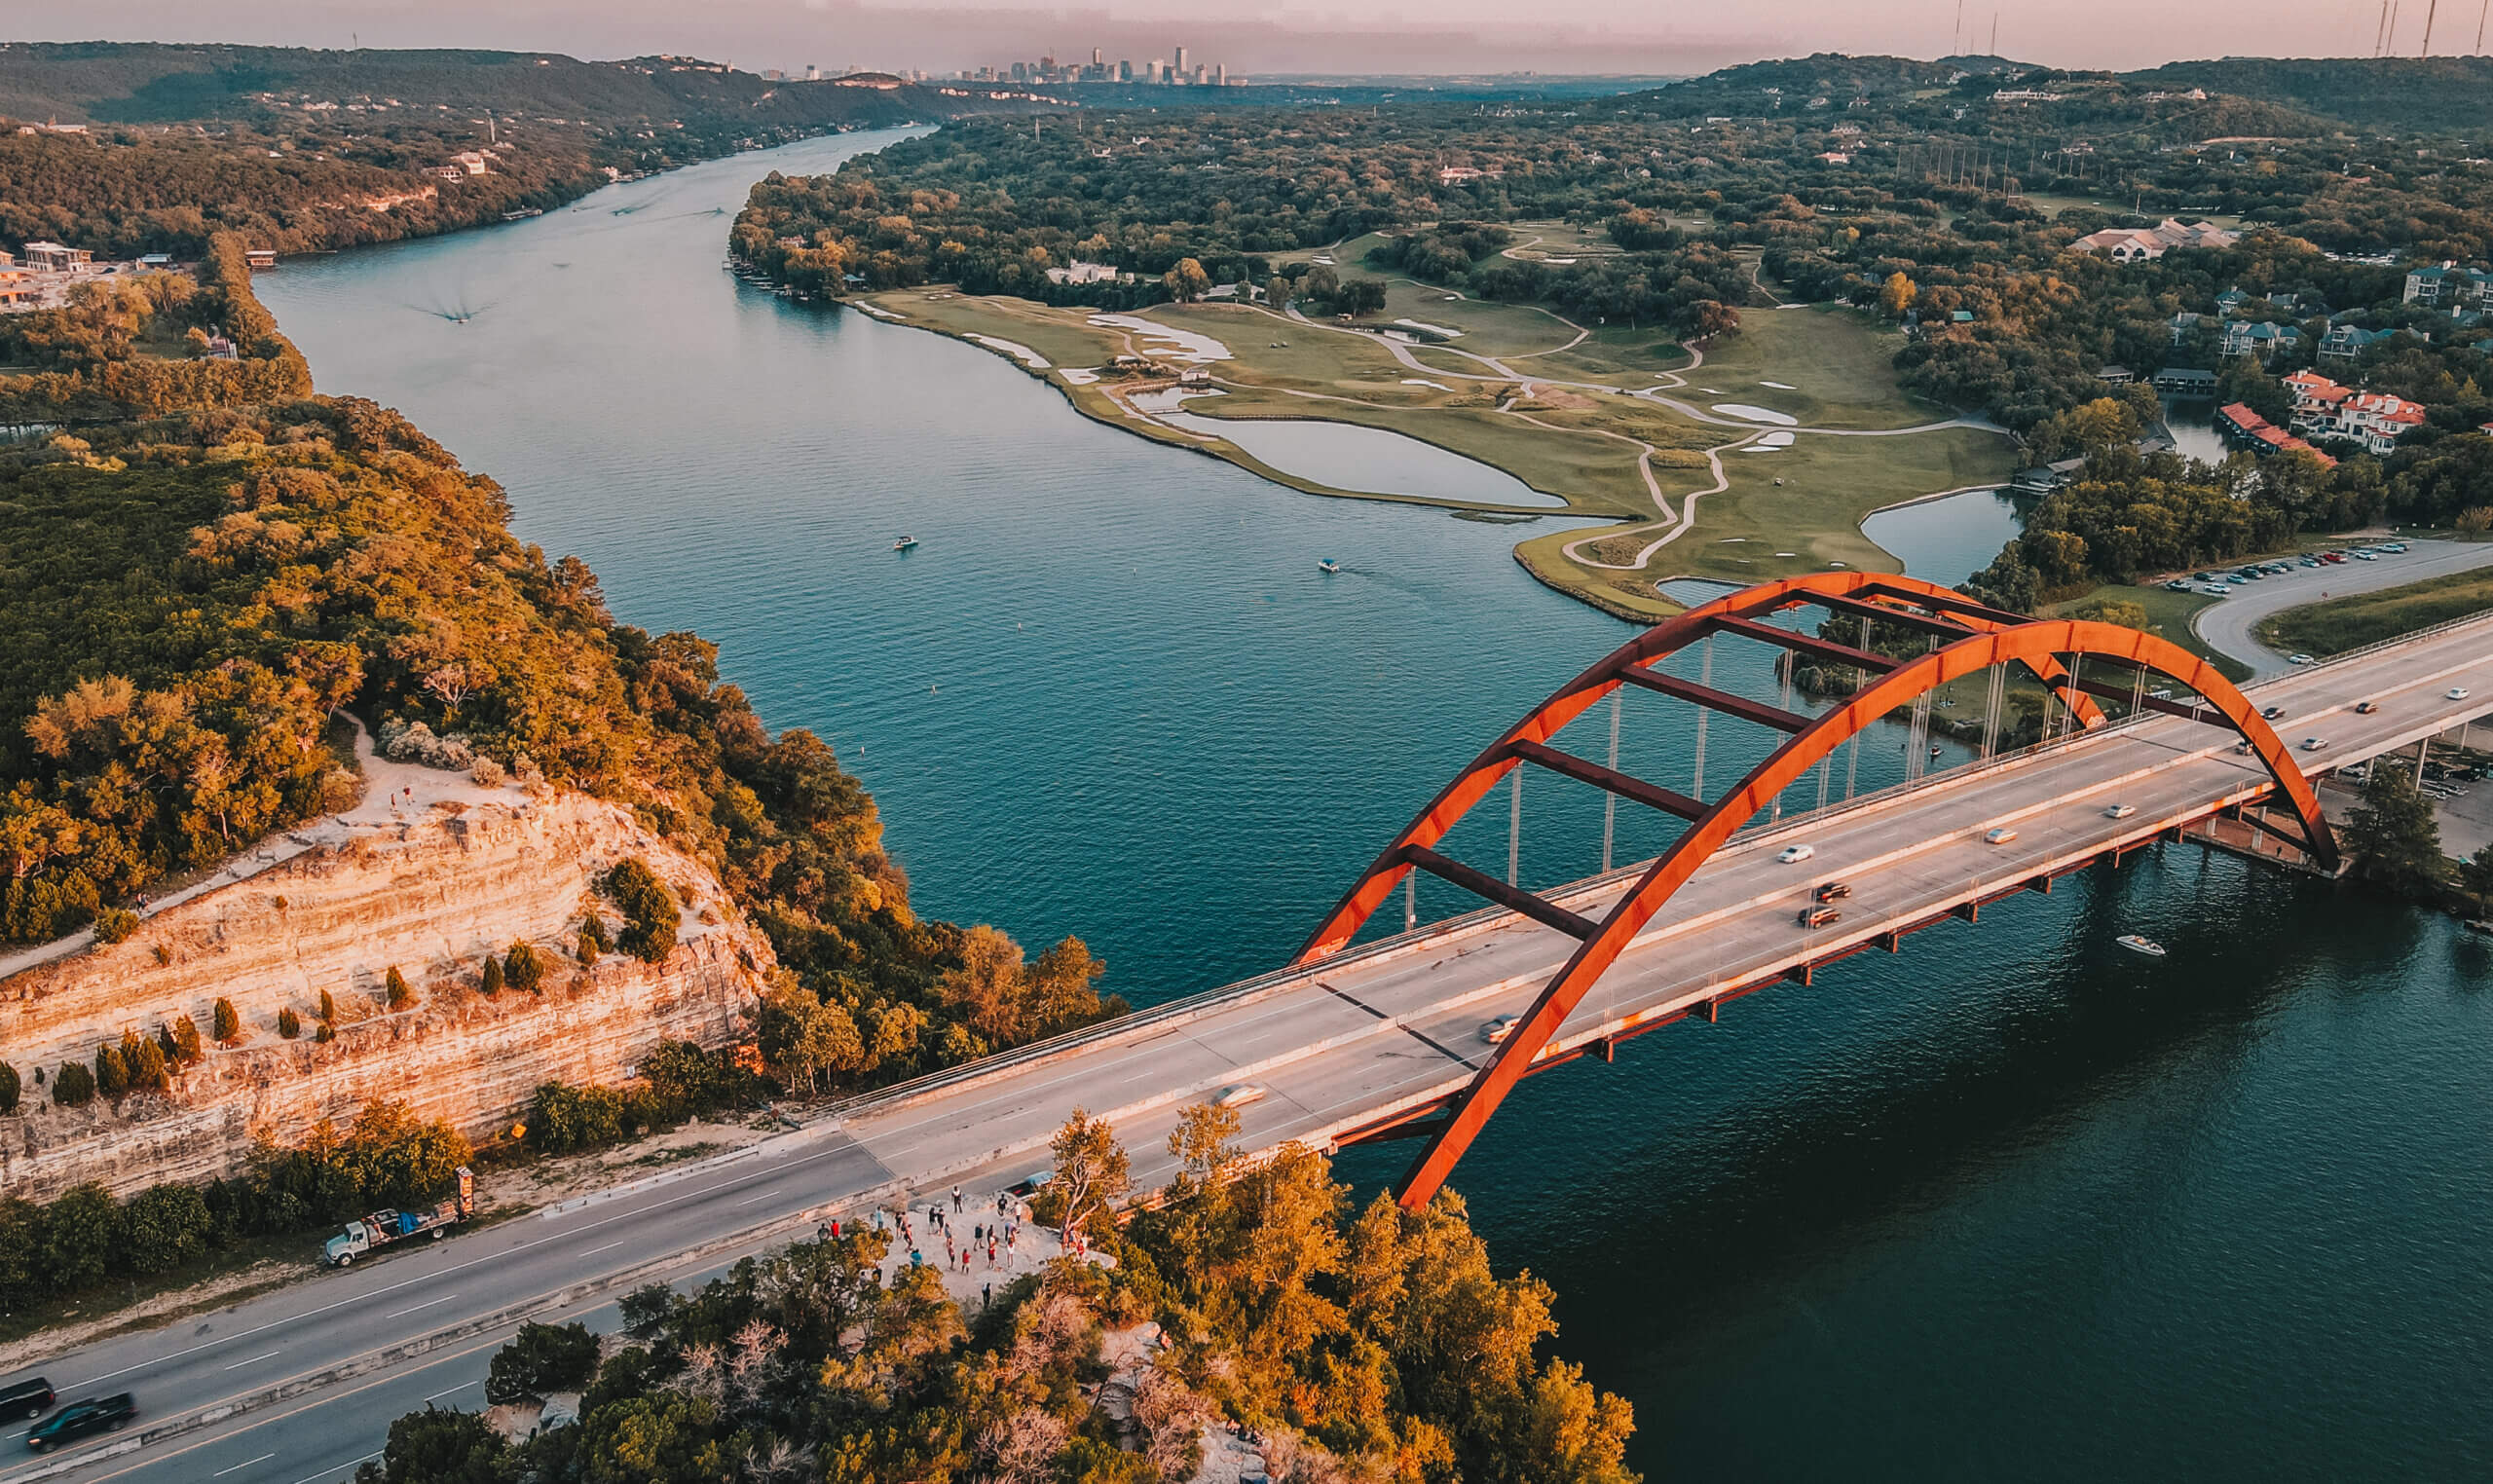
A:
(1950, 539)
(1369, 459)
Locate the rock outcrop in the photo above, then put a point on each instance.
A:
(431, 894)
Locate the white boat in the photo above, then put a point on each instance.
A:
(905, 544)
(1328, 564)
(2137, 944)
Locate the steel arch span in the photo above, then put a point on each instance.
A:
(1967, 638)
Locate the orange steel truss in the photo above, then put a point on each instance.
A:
(1977, 639)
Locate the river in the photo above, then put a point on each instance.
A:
(2009, 1203)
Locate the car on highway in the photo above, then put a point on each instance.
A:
(1239, 1094)
(2271, 713)
(1819, 916)
(1832, 891)
(2242, 748)
(2456, 693)
(26, 1398)
(82, 1419)
(1496, 1031)
(2314, 744)
(1793, 855)
(2366, 708)
(2119, 810)
(2216, 590)
(1999, 835)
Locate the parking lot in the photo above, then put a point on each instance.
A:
(2228, 627)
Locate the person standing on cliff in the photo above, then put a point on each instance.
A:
(956, 1200)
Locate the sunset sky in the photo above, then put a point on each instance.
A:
(1263, 36)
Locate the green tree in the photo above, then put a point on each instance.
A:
(73, 1085)
(803, 1038)
(144, 1060)
(522, 969)
(115, 923)
(81, 1234)
(401, 995)
(1187, 281)
(225, 1025)
(541, 1360)
(649, 912)
(588, 948)
(163, 1227)
(184, 1034)
(1092, 1172)
(2475, 877)
(1712, 319)
(1359, 296)
(2391, 836)
(437, 1447)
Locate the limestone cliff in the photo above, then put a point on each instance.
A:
(427, 887)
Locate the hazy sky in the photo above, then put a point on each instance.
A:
(1274, 35)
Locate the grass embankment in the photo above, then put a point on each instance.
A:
(2347, 623)
(2168, 616)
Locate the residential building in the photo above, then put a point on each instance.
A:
(2266, 339)
(2129, 244)
(1079, 272)
(469, 161)
(2374, 419)
(2241, 427)
(2185, 381)
(2446, 286)
(19, 290)
(2181, 324)
(2116, 376)
(259, 257)
(52, 257)
(2346, 342)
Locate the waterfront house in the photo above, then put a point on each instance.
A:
(2185, 381)
(2243, 428)
(259, 257)
(52, 257)
(2116, 376)
(2266, 339)
(2374, 419)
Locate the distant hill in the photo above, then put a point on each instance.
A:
(138, 83)
(2443, 94)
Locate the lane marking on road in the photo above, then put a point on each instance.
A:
(349, 1464)
(427, 1304)
(841, 1148)
(608, 1247)
(254, 1361)
(764, 1196)
(460, 1387)
(245, 1463)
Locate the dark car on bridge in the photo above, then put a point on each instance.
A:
(25, 1399)
(1818, 917)
(1832, 891)
(82, 1419)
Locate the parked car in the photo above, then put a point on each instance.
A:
(1496, 1031)
(2332, 557)
(2120, 811)
(1818, 917)
(2177, 586)
(1999, 835)
(2218, 590)
(2367, 556)
(2393, 546)
(26, 1398)
(2310, 562)
(2203, 577)
(2366, 708)
(2314, 744)
(1795, 854)
(1832, 891)
(82, 1419)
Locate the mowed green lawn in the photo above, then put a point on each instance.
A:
(2349, 623)
(1839, 366)
(2168, 616)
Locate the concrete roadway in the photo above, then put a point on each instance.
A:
(2227, 626)
(1331, 1049)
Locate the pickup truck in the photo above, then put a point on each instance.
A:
(385, 1226)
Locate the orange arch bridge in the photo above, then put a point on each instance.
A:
(1964, 638)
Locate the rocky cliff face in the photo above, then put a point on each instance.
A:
(430, 894)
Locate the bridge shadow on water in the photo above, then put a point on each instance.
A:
(1922, 1204)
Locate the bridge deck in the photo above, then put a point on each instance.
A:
(1369, 1036)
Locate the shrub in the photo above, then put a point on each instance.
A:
(329, 1007)
(7, 1088)
(112, 1074)
(323, 1033)
(565, 1118)
(589, 950)
(73, 1085)
(145, 1061)
(522, 969)
(402, 996)
(289, 1024)
(115, 923)
(163, 1227)
(649, 912)
(181, 1040)
(225, 1025)
(485, 772)
(540, 1360)
(593, 928)
(493, 983)
(81, 1234)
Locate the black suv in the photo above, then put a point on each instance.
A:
(25, 1399)
(82, 1419)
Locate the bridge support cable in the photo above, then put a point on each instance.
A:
(1410, 900)
(1610, 801)
(1990, 713)
(1986, 640)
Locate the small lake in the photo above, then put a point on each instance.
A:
(2193, 434)
(1949, 539)
(1372, 460)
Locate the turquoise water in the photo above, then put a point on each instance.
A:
(2008, 1203)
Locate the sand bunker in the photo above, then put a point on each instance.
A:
(1028, 356)
(1756, 414)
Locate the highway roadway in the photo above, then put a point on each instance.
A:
(1331, 1051)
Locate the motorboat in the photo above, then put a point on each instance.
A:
(1328, 564)
(2140, 943)
(905, 544)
